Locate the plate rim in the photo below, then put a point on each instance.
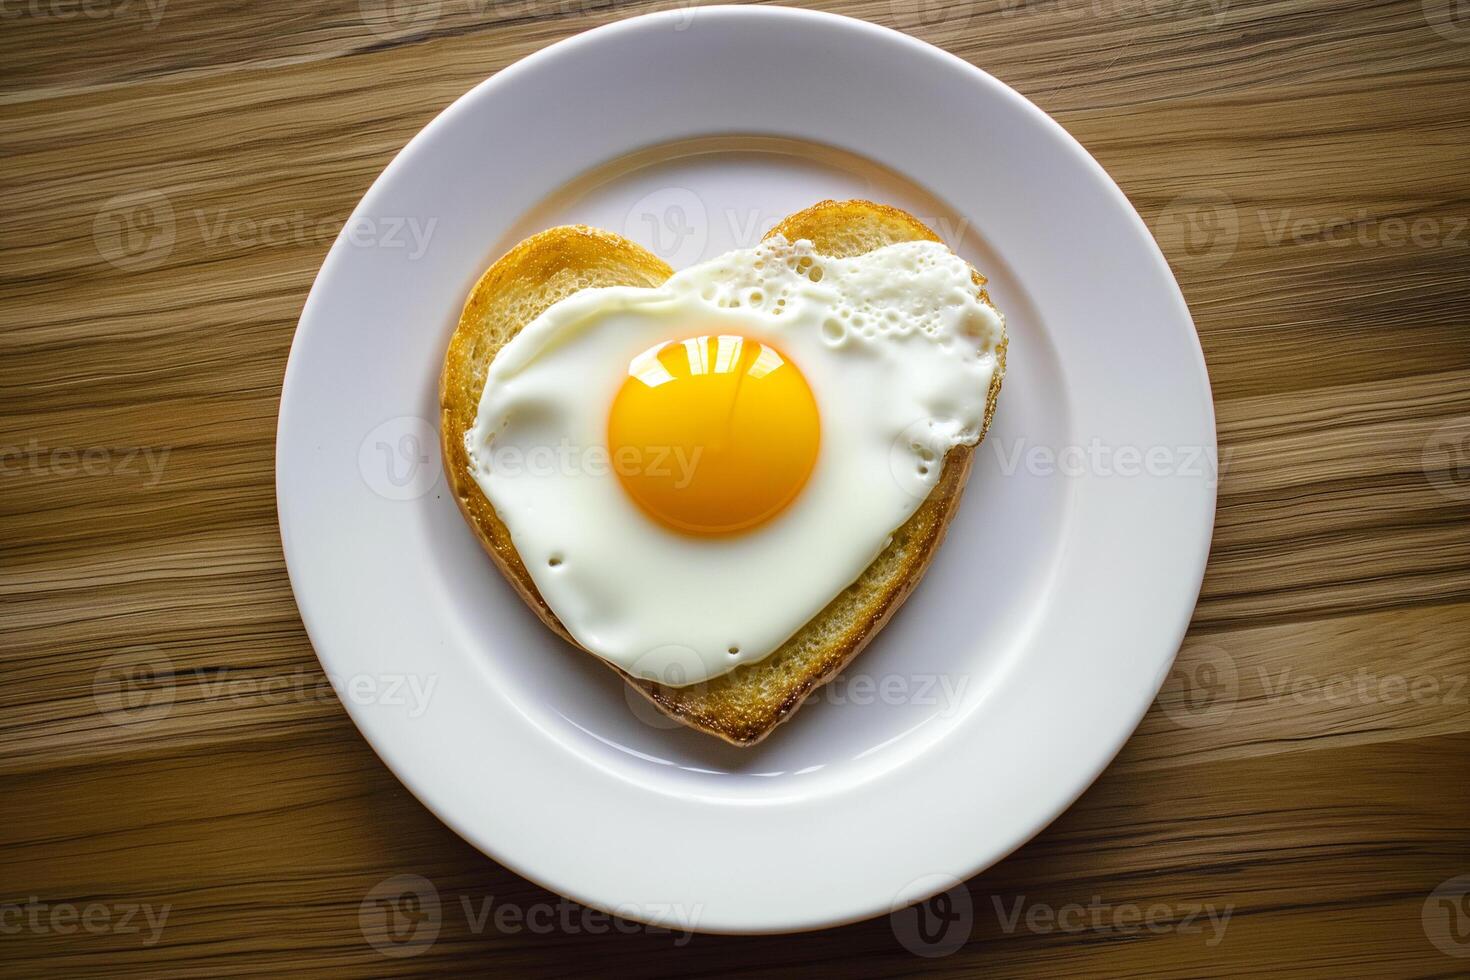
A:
(610, 33)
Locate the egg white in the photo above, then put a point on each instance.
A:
(899, 353)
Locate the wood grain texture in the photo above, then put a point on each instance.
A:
(1304, 164)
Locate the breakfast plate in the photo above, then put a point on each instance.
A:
(1017, 669)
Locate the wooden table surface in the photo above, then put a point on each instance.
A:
(1297, 800)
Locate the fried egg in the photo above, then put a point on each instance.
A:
(691, 472)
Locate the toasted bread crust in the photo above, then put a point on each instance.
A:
(745, 705)
(540, 271)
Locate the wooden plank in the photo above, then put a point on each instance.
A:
(1303, 165)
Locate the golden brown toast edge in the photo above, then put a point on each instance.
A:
(541, 270)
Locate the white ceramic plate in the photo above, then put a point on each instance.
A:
(1045, 625)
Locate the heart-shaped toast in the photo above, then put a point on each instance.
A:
(762, 684)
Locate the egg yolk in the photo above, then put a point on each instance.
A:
(714, 434)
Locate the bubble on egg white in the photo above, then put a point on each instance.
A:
(901, 297)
